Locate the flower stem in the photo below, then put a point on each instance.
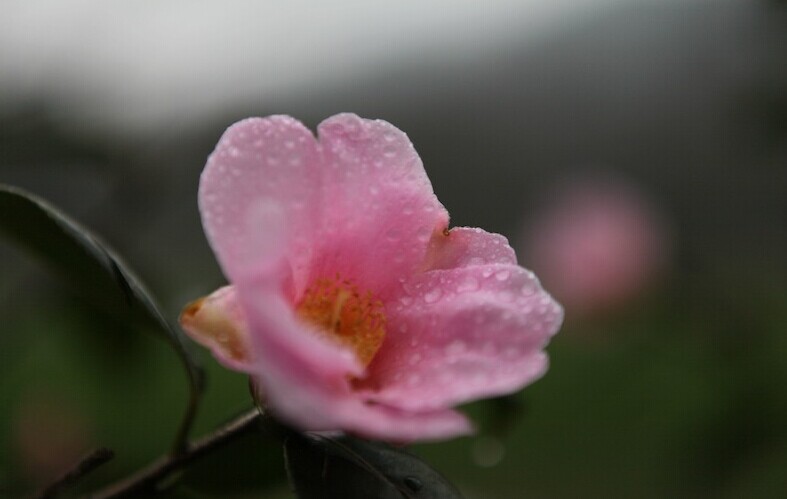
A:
(148, 478)
(88, 463)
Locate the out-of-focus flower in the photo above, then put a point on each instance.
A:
(597, 244)
(352, 305)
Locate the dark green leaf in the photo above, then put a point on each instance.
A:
(348, 468)
(89, 265)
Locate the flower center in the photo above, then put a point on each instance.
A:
(340, 312)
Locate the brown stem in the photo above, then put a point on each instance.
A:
(91, 461)
(147, 479)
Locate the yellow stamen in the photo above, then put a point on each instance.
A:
(343, 314)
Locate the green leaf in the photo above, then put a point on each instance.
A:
(321, 467)
(88, 264)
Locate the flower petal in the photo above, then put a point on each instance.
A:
(273, 161)
(467, 247)
(309, 406)
(218, 322)
(464, 333)
(306, 381)
(380, 210)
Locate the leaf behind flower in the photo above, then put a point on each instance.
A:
(321, 468)
(95, 270)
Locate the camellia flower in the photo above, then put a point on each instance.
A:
(352, 305)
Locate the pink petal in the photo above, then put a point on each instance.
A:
(270, 162)
(380, 211)
(218, 322)
(358, 203)
(460, 334)
(466, 247)
(306, 381)
(309, 406)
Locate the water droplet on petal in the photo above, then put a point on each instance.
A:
(511, 352)
(406, 301)
(393, 235)
(415, 358)
(502, 275)
(467, 284)
(456, 347)
(433, 295)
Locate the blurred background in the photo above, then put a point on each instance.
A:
(633, 151)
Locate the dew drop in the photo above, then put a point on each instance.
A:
(415, 358)
(467, 284)
(406, 301)
(486, 272)
(393, 235)
(502, 275)
(234, 152)
(433, 295)
(389, 152)
(456, 347)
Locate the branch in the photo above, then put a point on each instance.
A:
(91, 461)
(147, 479)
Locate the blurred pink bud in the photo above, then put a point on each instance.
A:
(597, 244)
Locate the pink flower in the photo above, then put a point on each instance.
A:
(597, 245)
(352, 305)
